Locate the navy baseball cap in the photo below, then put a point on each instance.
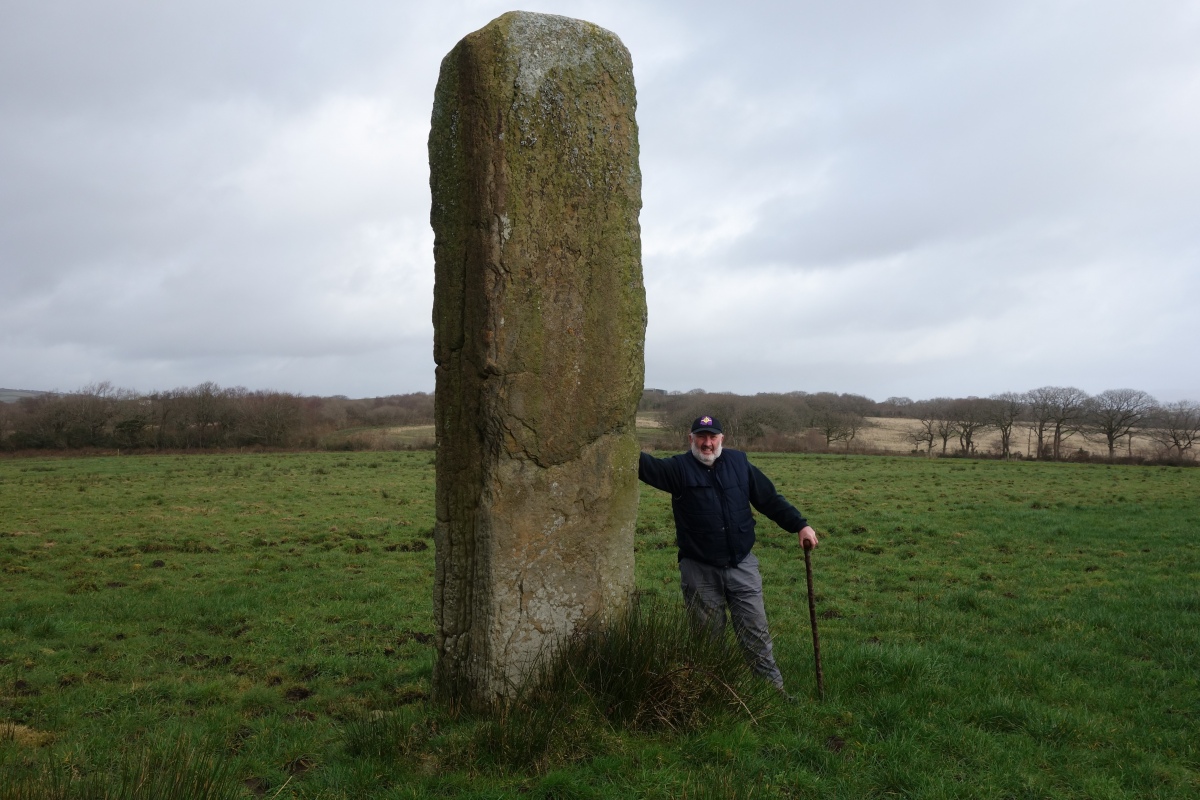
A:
(706, 424)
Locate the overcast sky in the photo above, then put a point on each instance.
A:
(888, 198)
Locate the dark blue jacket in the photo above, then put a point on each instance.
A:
(713, 522)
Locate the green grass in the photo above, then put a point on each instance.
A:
(988, 629)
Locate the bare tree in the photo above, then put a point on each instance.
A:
(859, 404)
(269, 418)
(896, 407)
(754, 417)
(934, 416)
(44, 421)
(1004, 411)
(206, 411)
(1060, 409)
(839, 418)
(839, 426)
(970, 417)
(91, 409)
(935, 421)
(1176, 426)
(679, 421)
(7, 415)
(925, 433)
(1070, 410)
(1113, 415)
(1040, 405)
(946, 430)
(164, 407)
(743, 419)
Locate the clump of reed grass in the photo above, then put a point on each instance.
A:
(646, 669)
(389, 735)
(181, 770)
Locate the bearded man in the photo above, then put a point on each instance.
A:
(712, 491)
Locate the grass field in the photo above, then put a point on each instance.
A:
(989, 629)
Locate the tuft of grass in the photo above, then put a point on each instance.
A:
(387, 736)
(713, 784)
(648, 668)
(644, 670)
(183, 770)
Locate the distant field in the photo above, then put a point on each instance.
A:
(13, 395)
(890, 434)
(403, 437)
(990, 630)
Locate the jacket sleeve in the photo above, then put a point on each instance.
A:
(661, 473)
(772, 504)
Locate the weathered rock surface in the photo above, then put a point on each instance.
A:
(539, 325)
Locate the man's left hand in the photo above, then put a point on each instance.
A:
(808, 537)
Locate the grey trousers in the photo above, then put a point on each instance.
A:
(708, 591)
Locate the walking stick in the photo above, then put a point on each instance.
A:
(812, 615)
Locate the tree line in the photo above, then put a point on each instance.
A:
(1050, 415)
(208, 416)
(205, 416)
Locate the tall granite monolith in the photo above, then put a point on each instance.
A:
(539, 325)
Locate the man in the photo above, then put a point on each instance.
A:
(712, 490)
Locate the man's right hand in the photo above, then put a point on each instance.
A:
(808, 537)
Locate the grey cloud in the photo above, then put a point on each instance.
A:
(962, 193)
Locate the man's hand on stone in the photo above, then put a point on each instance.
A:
(808, 538)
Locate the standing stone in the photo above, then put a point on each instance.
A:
(539, 324)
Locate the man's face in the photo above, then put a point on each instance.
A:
(706, 446)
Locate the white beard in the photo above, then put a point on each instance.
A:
(708, 461)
